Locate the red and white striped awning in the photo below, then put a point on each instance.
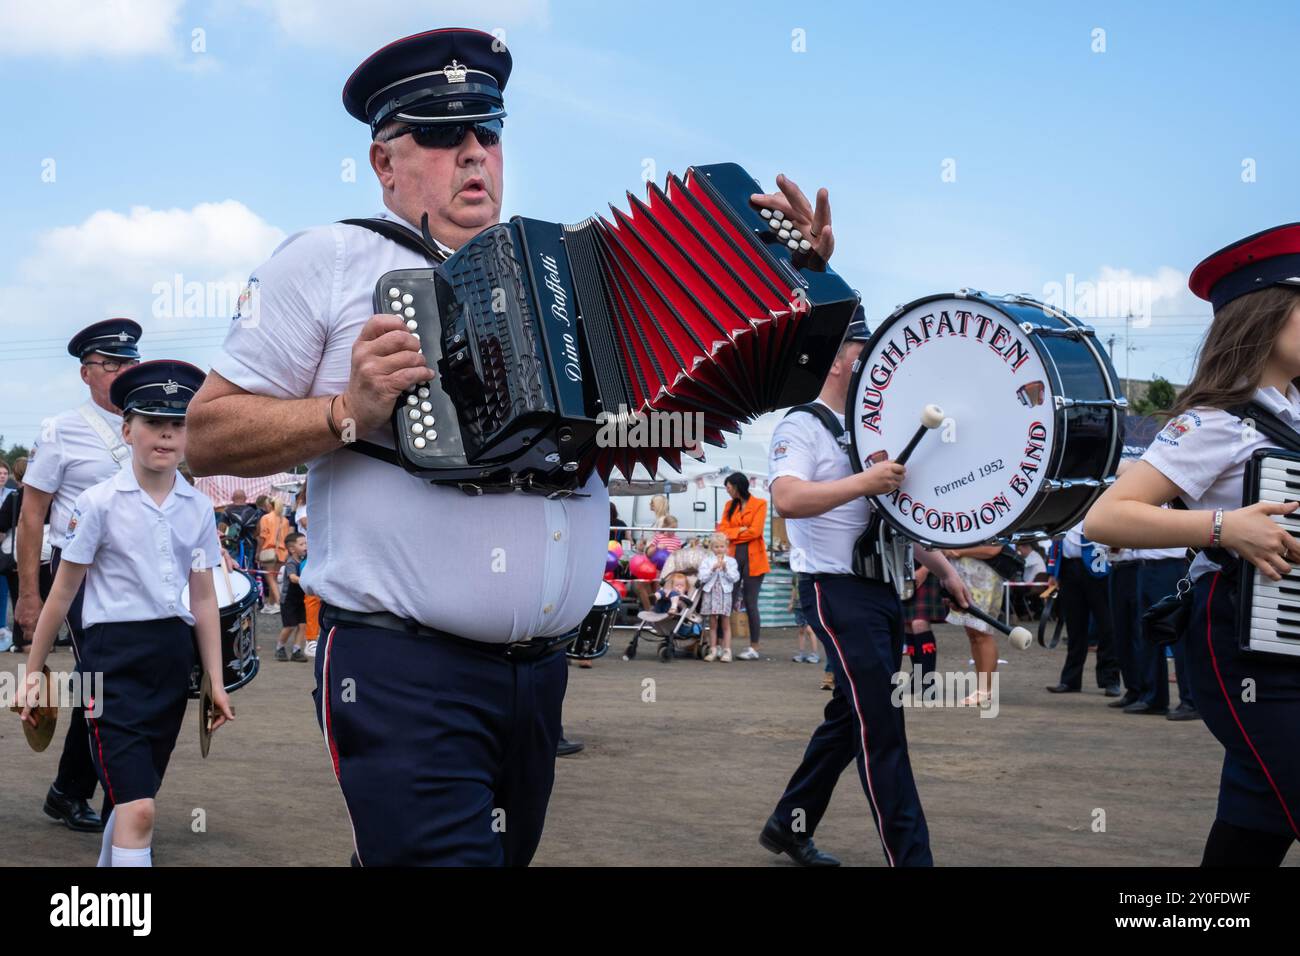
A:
(221, 488)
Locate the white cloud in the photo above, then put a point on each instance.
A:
(109, 28)
(359, 26)
(178, 272)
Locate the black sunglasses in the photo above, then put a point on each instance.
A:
(450, 135)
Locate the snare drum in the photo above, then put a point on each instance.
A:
(1033, 417)
(593, 634)
(237, 604)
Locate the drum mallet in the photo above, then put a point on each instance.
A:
(931, 418)
(1020, 637)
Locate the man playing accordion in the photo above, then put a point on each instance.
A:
(440, 672)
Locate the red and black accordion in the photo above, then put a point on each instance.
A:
(566, 349)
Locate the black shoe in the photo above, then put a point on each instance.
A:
(778, 839)
(1112, 690)
(1128, 698)
(1183, 712)
(72, 812)
(568, 748)
(1142, 707)
(1061, 689)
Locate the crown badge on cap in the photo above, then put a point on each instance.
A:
(170, 387)
(455, 72)
(123, 337)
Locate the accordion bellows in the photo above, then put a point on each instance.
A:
(563, 349)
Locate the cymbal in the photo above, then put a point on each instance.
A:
(205, 714)
(47, 719)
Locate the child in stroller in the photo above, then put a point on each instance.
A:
(673, 618)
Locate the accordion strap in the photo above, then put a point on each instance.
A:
(826, 417)
(423, 244)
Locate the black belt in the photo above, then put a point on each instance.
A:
(529, 650)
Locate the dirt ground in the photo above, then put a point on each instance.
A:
(688, 778)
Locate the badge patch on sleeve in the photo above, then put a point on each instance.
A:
(780, 449)
(72, 523)
(1173, 432)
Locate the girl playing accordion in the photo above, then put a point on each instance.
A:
(1251, 703)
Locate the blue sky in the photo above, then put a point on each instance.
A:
(1072, 165)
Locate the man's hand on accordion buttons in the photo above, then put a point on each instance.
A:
(386, 361)
(1260, 540)
(881, 478)
(813, 223)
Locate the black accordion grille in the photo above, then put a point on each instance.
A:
(496, 367)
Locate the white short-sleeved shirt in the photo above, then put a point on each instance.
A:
(1204, 452)
(140, 553)
(69, 458)
(494, 568)
(1034, 565)
(802, 447)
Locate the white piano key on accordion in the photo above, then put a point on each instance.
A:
(1268, 640)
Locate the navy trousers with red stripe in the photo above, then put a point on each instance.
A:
(445, 753)
(860, 623)
(1251, 703)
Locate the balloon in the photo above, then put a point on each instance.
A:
(642, 568)
(659, 557)
(609, 575)
(620, 587)
(611, 563)
(616, 548)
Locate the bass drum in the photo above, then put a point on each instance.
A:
(593, 633)
(1033, 417)
(237, 604)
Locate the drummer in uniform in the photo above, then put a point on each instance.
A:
(77, 449)
(135, 541)
(859, 622)
(440, 671)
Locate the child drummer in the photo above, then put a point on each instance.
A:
(137, 539)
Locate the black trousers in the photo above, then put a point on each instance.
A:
(46, 581)
(1085, 600)
(1126, 616)
(750, 585)
(445, 753)
(860, 624)
(76, 777)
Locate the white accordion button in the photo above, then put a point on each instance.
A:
(793, 244)
(420, 443)
(397, 306)
(765, 213)
(804, 245)
(774, 225)
(433, 435)
(412, 324)
(394, 293)
(408, 312)
(428, 420)
(408, 299)
(412, 400)
(784, 233)
(778, 215)
(417, 428)
(796, 234)
(414, 413)
(423, 392)
(426, 407)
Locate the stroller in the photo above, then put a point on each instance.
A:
(679, 633)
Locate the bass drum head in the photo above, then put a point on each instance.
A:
(606, 597)
(977, 475)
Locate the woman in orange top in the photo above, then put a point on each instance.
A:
(272, 528)
(742, 522)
